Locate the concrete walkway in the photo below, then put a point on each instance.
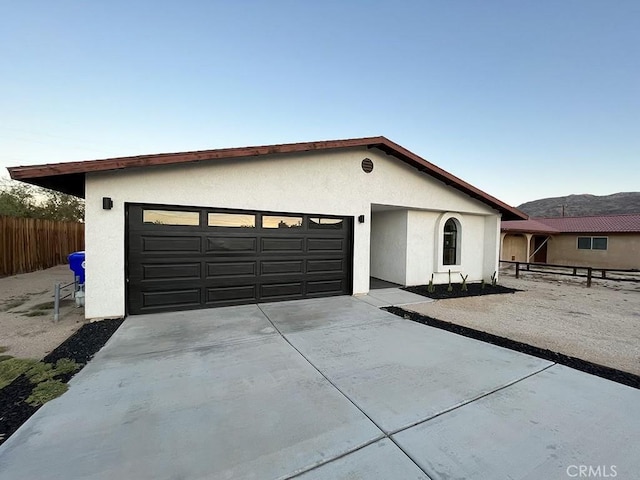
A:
(320, 389)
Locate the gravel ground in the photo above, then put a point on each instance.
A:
(600, 324)
(27, 329)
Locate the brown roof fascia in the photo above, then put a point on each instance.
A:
(69, 177)
(65, 176)
(531, 231)
(87, 166)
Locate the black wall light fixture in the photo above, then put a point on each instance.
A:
(361, 219)
(107, 203)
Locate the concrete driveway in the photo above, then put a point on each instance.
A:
(330, 388)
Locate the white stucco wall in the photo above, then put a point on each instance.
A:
(389, 245)
(421, 242)
(424, 249)
(330, 182)
(491, 237)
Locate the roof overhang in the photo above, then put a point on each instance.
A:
(530, 231)
(70, 177)
(530, 226)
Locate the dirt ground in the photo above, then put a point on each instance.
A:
(600, 324)
(27, 328)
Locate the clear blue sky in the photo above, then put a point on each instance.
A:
(524, 99)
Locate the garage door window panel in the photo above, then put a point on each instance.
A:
(323, 223)
(231, 220)
(171, 217)
(274, 221)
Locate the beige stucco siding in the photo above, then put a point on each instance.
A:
(329, 182)
(514, 248)
(623, 251)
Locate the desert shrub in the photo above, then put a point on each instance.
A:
(12, 368)
(46, 391)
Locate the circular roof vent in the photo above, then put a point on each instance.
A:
(367, 165)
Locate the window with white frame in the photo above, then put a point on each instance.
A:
(593, 243)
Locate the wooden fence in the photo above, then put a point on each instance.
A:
(29, 244)
(590, 273)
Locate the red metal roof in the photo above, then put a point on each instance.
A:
(527, 226)
(69, 177)
(593, 224)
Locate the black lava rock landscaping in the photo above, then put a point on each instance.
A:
(609, 373)
(440, 291)
(84, 344)
(14, 409)
(80, 347)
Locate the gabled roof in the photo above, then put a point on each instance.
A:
(69, 177)
(593, 224)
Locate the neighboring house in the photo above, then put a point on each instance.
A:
(243, 225)
(606, 241)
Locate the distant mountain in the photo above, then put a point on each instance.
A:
(584, 205)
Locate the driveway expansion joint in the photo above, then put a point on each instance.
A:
(333, 459)
(298, 426)
(390, 434)
(382, 435)
(321, 373)
(472, 400)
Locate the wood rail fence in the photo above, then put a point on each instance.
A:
(590, 273)
(29, 244)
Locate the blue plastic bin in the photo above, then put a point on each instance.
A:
(76, 263)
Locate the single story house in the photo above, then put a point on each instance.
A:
(255, 224)
(604, 241)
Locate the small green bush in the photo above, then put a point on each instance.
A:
(65, 365)
(43, 372)
(12, 368)
(46, 391)
(37, 372)
(40, 372)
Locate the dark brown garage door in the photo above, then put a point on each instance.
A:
(183, 258)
